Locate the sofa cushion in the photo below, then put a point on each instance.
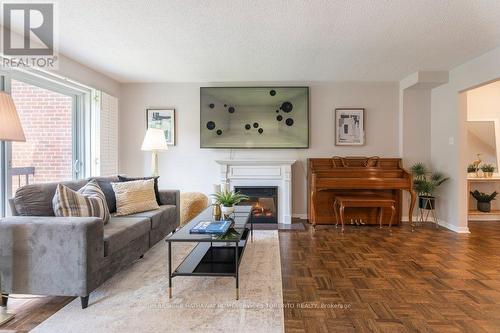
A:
(87, 201)
(164, 213)
(120, 231)
(157, 191)
(134, 197)
(36, 199)
(109, 194)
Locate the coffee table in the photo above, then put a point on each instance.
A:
(214, 255)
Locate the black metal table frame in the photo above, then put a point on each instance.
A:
(237, 256)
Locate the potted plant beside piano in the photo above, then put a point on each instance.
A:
(425, 184)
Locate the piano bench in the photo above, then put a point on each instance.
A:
(341, 202)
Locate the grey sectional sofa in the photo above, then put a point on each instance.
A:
(46, 255)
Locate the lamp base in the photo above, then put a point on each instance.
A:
(154, 163)
(5, 316)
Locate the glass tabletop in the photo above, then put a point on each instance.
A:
(241, 217)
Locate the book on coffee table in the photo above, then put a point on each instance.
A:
(211, 227)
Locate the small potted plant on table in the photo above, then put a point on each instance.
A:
(227, 200)
(488, 170)
(472, 170)
(425, 184)
(483, 200)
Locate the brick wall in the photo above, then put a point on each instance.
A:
(46, 120)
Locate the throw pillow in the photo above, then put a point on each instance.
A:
(87, 201)
(109, 194)
(157, 192)
(134, 196)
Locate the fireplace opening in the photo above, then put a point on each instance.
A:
(264, 202)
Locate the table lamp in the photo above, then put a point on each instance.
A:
(154, 141)
(10, 130)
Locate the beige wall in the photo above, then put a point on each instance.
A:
(189, 168)
(481, 140)
(449, 136)
(484, 102)
(416, 129)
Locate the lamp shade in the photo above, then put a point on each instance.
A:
(10, 125)
(154, 140)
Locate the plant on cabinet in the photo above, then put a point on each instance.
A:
(487, 170)
(483, 200)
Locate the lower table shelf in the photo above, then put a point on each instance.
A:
(212, 259)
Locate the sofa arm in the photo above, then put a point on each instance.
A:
(172, 197)
(50, 255)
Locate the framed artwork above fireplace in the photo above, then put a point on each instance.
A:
(254, 117)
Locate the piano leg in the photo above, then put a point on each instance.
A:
(313, 211)
(380, 212)
(341, 213)
(412, 206)
(393, 212)
(335, 211)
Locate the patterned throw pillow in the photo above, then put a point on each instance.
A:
(135, 197)
(87, 201)
(157, 191)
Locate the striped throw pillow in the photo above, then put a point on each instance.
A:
(87, 201)
(135, 196)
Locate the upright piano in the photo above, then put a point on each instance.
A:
(356, 176)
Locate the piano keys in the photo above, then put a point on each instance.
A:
(356, 176)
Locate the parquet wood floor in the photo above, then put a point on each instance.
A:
(31, 312)
(427, 281)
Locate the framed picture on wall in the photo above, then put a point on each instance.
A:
(349, 127)
(163, 119)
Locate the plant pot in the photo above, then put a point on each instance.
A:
(488, 174)
(426, 202)
(226, 211)
(471, 174)
(484, 207)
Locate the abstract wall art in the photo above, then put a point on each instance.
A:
(349, 127)
(254, 117)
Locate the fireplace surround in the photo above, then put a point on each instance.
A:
(262, 173)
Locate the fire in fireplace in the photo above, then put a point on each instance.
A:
(264, 202)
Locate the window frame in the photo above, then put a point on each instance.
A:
(81, 125)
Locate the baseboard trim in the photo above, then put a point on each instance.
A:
(300, 216)
(478, 218)
(444, 224)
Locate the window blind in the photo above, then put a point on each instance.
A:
(108, 135)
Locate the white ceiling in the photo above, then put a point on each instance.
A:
(275, 40)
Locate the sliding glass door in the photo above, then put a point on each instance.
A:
(53, 122)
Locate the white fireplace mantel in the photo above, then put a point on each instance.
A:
(262, 173)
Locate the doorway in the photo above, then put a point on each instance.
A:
(481, 154)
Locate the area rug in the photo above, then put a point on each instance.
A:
(136, 299)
